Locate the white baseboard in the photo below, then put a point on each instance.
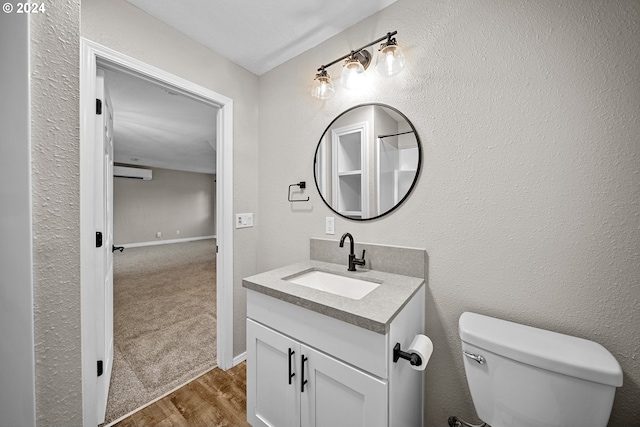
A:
(165, 242)
(240, 358)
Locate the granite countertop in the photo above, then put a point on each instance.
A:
(374, 311)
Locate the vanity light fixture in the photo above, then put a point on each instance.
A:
(352, 69)
(322, 85)
(390, 61)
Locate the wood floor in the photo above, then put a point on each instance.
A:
(216, 399)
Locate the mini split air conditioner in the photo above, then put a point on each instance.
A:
(132, 173)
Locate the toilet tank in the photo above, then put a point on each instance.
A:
(531, 377)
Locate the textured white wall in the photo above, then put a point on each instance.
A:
(171, 201)
(529, 195)
(126, 29)
(55, 141)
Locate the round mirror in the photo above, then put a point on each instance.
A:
(367, 161)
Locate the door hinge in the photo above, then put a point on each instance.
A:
(216, 248)
(98, 106)
(98, 239)
(100, 368)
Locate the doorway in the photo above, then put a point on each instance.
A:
(94, 56)
(164, 288)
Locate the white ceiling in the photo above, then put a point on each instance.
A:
(172, 131)
(153, 126)
(260, 35)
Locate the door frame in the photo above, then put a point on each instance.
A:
(361, 128)
(91, 54)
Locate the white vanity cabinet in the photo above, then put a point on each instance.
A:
(272, 389)
(309, 369)
(340, 395)
(291, 384)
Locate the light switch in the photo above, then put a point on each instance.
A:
(244, 220)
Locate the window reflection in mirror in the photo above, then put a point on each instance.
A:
(367, 161)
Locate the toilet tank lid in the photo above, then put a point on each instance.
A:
(544, 349)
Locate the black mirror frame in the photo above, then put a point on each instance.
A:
(415, 179)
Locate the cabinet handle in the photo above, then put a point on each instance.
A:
(303, 382)
(291, 374)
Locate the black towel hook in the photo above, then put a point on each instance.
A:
(302, 185)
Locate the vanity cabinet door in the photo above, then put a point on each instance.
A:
(273, 391)
(338, 395)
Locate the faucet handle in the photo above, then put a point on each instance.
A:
(363, 251)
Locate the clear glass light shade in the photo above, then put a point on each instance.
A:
(322, 86)
(390, 60)
(352, 77)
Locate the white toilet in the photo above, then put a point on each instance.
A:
(521, 376)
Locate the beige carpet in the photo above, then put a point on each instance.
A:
(164, 321)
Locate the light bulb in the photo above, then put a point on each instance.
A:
(322, 86)
(351, 77)
(390, 60)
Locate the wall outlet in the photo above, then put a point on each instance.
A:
(244, 220)
(178, 232)
(329, 225)
(159, 234)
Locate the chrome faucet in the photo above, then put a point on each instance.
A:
(353, 261)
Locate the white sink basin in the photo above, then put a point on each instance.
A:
(334, 283)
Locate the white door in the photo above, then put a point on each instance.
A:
(273, 390)
(339, 395)
(103, 209)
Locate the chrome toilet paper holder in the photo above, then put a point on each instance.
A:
(413, 358)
